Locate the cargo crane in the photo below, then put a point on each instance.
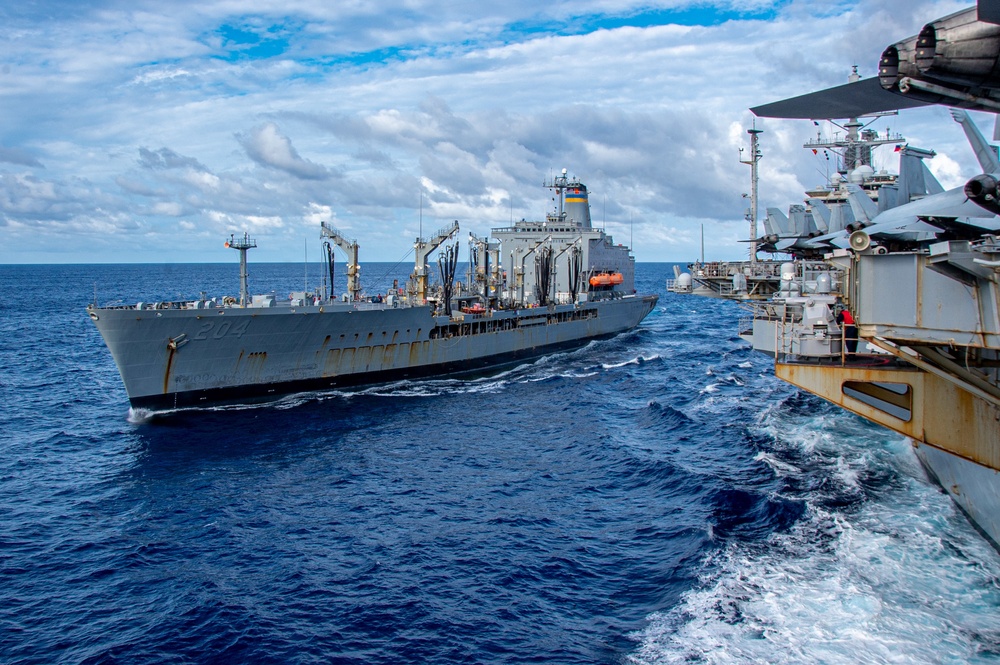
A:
(350, 248)
(485, 257)
(421, 250)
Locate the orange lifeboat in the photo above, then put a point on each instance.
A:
(477, 308)
(607, 279)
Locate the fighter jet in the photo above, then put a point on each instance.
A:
(952, 61)
(952, 214)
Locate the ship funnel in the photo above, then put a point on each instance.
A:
(577, 204)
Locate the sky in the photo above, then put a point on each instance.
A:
(148, 132)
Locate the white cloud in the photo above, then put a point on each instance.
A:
(267, 146)
(129, 117)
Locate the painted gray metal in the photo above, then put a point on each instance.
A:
(940, 297)
(974, 487)
(174, 355)
(179, 357)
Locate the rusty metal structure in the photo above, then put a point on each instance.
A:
(929, 325)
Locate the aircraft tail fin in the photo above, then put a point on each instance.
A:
(985, 153)
(862, 206)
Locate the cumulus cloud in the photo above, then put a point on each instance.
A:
(267, 146)
(211, 118)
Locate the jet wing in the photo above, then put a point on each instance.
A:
(844, 101)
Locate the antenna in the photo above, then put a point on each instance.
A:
(752, 160)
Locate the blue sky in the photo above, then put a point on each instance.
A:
(145, 132)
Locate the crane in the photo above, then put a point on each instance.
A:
(350, 248)
(421, 250)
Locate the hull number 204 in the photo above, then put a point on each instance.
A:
(219, 329)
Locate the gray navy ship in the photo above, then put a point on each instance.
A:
(533, 289)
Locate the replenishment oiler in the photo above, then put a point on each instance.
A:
(535, 288)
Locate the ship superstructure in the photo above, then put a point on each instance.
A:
(538, 287)
(853, 195)
(918, 286)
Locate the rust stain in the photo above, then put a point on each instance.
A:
(332, 360)
(347, 360)
(375, 360)
(170, 364)
(255, 363)
(319, 353)
(944, 415)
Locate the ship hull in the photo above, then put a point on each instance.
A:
(183, 358)
(974, 487)
(954, 430)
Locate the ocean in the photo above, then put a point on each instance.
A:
(659, 497)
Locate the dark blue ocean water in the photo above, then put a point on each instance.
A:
(655, 498)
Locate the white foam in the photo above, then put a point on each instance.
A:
(140, 416)
(780, 467)
(632, 361)
(897, 576)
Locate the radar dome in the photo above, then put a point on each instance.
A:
(860, 174)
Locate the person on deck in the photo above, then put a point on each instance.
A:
(845, 319)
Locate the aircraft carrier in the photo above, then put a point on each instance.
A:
(920, 279)
(536, 288)
(826, 210)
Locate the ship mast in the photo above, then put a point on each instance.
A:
(242, 246)
(858, 144)
(755, 156)
(559, 185)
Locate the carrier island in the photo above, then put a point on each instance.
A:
(531, 289)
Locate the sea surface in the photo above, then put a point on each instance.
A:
(655, 498)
